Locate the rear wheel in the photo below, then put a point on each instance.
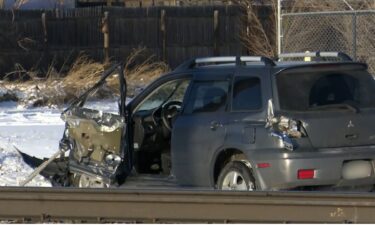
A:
(236, 176)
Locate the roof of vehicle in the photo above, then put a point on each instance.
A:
(295, 64)
(231, 62)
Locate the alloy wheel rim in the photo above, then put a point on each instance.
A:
(235, 181)
(89, 182)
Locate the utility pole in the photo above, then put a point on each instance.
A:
(278, 24)
(105, 31)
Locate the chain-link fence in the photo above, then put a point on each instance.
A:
(352, 32)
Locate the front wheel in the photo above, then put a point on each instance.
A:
(84, 181)
(236, 176)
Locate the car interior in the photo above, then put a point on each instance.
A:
(153, 122)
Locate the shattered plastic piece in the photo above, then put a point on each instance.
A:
(289, 127)
(285, 141)
(271, 119)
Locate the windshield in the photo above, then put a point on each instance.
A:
(307, 91)
(171, 91)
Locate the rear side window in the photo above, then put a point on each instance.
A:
(208, 96)
(246, 94)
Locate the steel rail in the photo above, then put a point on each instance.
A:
(123, 205)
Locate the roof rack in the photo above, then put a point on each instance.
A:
(264, 59)
(223, 60)
(340, 55)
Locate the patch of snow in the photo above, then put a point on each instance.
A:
(39, 140)
(3, 91)
(7, 105)
(108, 105)
(13, 170)
(22, 94)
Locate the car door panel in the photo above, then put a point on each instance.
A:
(199, 132)
(96, 137)
(193, 144)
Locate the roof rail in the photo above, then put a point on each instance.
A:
(222, 60)
(264, 59)
(341, 55)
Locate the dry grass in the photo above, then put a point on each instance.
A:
(140, 74)
(83, 74)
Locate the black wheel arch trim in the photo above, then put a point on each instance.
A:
(216, 155)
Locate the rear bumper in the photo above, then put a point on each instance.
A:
(327, 163)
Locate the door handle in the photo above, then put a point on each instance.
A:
(214, 125)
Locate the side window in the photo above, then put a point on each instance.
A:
(208, 96)
(246, 94)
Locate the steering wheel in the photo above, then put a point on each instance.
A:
(169, 111)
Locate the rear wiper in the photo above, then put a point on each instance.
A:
(340, 105)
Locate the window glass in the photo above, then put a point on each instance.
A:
(208, 96)
(171, 91)
(246, 94)
(179, 94)
(325, 90)
(110, 87)
(333, 89)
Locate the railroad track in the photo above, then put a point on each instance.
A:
(121, 205)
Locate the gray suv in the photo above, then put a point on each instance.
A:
(234, 123)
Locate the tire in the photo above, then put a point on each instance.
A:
(236, 176)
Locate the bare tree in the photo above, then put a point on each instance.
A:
(19, 3)
(259, 35)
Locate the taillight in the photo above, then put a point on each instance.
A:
(306, 174)
(263, 165)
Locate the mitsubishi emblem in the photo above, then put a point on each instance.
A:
(350, 124)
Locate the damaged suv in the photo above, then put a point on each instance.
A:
(233, 123)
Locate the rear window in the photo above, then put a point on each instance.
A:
(317, 90)
(246, 94)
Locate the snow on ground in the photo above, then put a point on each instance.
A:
(13, 170)
(35, 131)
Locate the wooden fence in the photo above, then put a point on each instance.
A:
(149, 3)
(172, 34)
